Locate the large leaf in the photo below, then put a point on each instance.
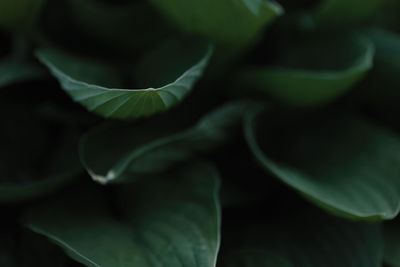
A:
(171, 70)
(305, 239)
(166, 221)
(155, 145)
(339, 161)
(312, 72)
(31, 165)
(343, 13)
(226, 22)
(19, 14)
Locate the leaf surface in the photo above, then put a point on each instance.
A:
(166, 221)
(226, 22)
(174, 67)
(116, 153)
(312, 72)
(342, 162)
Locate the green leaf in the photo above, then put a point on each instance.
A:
(345, 13)
(156, 145)
(19, 14)
(339, 161)
(392, 244)
(31, 165)
(173, 68)
(312, 72)
(225, 22)
(308, 239)
(166, 221)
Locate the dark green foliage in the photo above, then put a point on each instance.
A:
(201, 133)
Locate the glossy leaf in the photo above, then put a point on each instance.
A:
(167, 221)
(311, 239)
(231, 23)
(341, 162)
(312, 72)
(156, 145)
(173, 69)
(19, 14)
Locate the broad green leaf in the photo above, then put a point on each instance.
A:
(392, 243)
(172, 69)
(312, 72)
(255, 258)
(345, 12)
(341, 162)
(309, 239)
(31, 165)
(226, 22)
(165, 221)
(156, 145)
(19, 14)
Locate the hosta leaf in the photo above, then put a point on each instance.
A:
(392, 244)
(155, 145)
(339, 161)
(312, 72)
(345, 12)
(308, 240)
(30, 164)
(19, 14)
(167, 221)
(232, 23)
(173, 69)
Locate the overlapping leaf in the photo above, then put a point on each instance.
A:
(339, 161)
(314, 71)
(229, 23)
(111, 152)
(166, 221)
(172, 71)
(392, 244)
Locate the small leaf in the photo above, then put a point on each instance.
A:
(225, 22)
(83, 80)
(166, 221)
(156, 145)
(339, 161)
(312, 72)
